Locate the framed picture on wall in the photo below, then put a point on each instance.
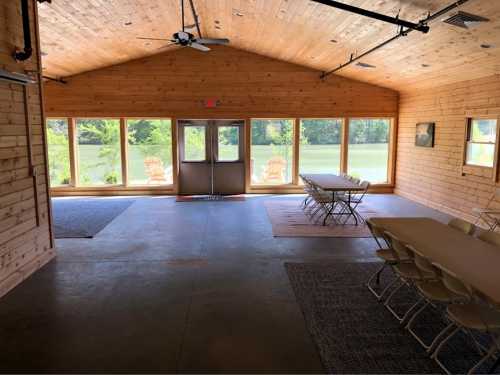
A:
(424, 136)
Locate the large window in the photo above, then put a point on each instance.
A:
(149, 151)
(481, 141)
(99, 152)
(271, 152)
(368, 152)
(320, 145)
(58, 150)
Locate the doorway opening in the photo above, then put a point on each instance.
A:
(211, 157)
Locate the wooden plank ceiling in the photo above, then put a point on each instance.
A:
(84, 35)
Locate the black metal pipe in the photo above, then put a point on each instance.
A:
(421, 26)
(402, 33)
(59, 80)
(195, 17)
(28, 49)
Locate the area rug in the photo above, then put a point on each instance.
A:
(289, 220)
(356, 334)
(85, 217)
(209, 198)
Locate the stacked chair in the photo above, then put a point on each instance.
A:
(463, 308)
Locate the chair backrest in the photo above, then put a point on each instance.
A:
(422, 262)
(376, 232)
(399, 248)
(453, 282)
(462, 225)
(490, 237)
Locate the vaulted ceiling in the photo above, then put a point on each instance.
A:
(84, 35)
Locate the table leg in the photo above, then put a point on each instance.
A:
(350, 208)
(330, 210)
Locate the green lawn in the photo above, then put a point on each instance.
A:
(366, 161)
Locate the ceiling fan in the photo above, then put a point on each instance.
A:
(186, 39)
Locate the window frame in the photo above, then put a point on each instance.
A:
(342, 132)
(125, 158)
(295, 156)
(76, 187)
(468, 134)
(391, 147)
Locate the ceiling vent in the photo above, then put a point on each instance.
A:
(465, 20)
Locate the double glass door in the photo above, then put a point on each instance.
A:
(211, 154)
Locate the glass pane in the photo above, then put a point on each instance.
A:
(482, 154)
(320, 146)
(99, 154)
(368, 152)
(483, 130)
(272, 152)
(194, 143)
(228, 143)
(149, 152)
(58, 150)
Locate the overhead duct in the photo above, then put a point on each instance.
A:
(18, 78)
(465, 20)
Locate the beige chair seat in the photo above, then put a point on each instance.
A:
(436, 291)
(411, 271)
(475, 316)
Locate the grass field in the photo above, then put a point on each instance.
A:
(366, 161)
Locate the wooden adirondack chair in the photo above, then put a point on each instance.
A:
(154, 170)
(275, 170)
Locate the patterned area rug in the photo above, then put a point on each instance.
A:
(289, 220)
(85, 217)
(356, 334)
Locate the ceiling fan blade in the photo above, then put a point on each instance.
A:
(212, 40)
(167, 40)
(166, 46)
(199, 47)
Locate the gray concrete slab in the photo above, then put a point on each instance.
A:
(174, 287)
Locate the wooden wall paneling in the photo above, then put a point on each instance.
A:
(29, 147)
(26, 242)
(247, 86)
(391, 173)
(437, 176)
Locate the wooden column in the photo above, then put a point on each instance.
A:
(124, 150)
(344, 147)
(72, 151)
(296, 151)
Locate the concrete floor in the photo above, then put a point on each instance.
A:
(174, 287)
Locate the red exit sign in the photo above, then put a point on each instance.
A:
(211, 103)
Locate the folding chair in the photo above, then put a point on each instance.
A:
(386, 254)
(489, 215)
(462, 226)
(492, 238)
(407, 272)
(477, 315)
(354, 201)
(435, 292)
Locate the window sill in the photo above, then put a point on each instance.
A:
(477, 170)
